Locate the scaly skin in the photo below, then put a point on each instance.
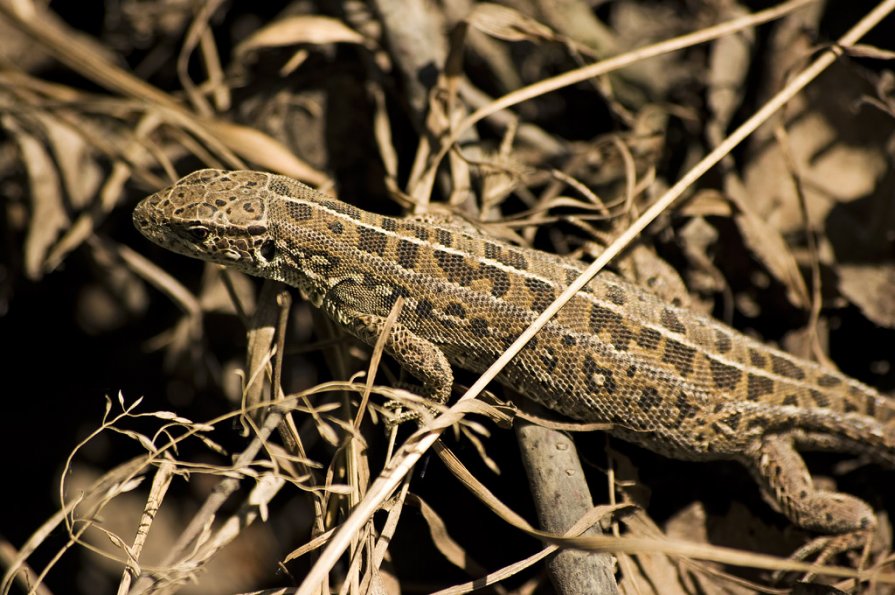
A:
(676, 382)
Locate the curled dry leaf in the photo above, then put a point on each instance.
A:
(76, 160)
(300, 29)
(48, 213)
(452, 551)
(508, 24)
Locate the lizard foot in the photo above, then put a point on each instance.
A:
(411, 410)
(823, 549)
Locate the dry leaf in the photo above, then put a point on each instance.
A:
(872, 289)
(264, 150)
(508, 24)
(48, 213)
(771, 249)
(768, 245)
(300, 29)
(76, 160)
(838, 154)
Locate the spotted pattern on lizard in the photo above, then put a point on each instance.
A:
(679, 383)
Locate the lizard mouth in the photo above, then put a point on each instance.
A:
(141, 213)
(146, 221)
(150, 221)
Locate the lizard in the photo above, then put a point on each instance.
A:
(674, 381)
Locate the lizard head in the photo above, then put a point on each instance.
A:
(213, 215)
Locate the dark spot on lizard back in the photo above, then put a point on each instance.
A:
(455, 309)
(829, 380)
(756, 358)
(723, 343)
(500, 280)
(276, 185)
(371, 241)
(616, 295)
(680, 356)
(397, 291)
(621, 336)
(758, 386)
(649, 398)
(785, 367)
(444, 237)
(602, 318)
(424, 308)
(648, 338)
(454, 267)
(516, 259)
(605, 320)
(670, 321)
(298, 211)
(479, 327)
(343, 209)
(417, 230)
(820, 399)
(599, 380)
(541, 294)
(724, 375)
(407, 253)
(685, 406)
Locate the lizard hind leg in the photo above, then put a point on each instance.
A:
(847, 522)
(786, 482)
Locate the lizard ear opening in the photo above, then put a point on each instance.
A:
(268, 250)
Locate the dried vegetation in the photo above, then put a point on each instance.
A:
(513, 114)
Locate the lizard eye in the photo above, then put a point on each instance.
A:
(268, 250)
(198, 232)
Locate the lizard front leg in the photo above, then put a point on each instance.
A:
(785, 480)
(417, 356)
